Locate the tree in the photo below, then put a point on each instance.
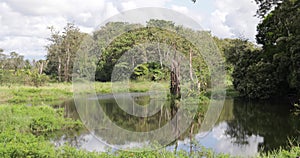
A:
(16, 61)
(279, 34)
(162, 38)
(153, 38)
(274, 70)
(252, 76)
(103, 37)
(62, 51)
(53, 55)
(3, 59)
(264, 6)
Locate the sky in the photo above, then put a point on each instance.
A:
(23, 24)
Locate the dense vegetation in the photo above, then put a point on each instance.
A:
(15, 70)
(273, 70)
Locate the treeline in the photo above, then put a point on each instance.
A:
(14, 69)
(155, 40)
(63, 47)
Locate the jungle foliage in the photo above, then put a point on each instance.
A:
(273, 70)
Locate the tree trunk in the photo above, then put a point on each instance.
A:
(160, 55)
(175, 91)
(67, 68)
(175, 83)
(174, 110)
(41, 67)
(191, 66)
(59, 68)
(160, 117)
(191, 138)
(176, 146)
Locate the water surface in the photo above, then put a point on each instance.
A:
(243, 128)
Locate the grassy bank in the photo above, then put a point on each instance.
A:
(18, 94)
(57, 92)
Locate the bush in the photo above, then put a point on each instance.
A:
(15, 144)
(35, 119)
(23, 77)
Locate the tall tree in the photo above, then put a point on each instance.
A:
(54, 54)
(62, 51)
(275, 70)
(16, 61)
(279, 34)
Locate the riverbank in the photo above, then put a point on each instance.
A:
(53, 93)
(26, 125)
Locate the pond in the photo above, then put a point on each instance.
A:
(243, 128)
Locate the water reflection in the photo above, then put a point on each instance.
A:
(271, 120)
(222, 143)
(243, 128)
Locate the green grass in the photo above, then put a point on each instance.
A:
(17, 94)
(24, 130)
(293, 153)
(142, 86)
(53, 93)
(35, 119)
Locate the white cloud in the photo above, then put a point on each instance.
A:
(220, 142)
(23, 24)
(180, 9)
(234, 19)
(188, 13)
(27, 46)
(216, 24)
(128, 5)
(123, 5)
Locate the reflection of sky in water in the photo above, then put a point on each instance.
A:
(84, 141)
(216, 140)
(219, 142)
(91, 143)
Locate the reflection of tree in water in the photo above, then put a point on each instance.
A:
(99, 125)
(273, 122)
(238, 133)
(133, 123)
